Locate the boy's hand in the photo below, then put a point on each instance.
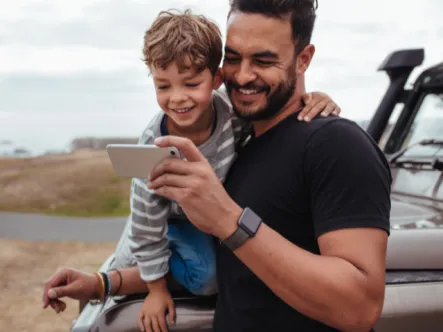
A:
(317, 103)
(152, 317)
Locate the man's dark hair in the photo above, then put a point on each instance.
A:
(301, 14)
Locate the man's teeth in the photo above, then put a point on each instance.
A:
(248, 91)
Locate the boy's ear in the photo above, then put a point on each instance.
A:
(218, 79)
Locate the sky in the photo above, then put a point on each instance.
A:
(70, 68)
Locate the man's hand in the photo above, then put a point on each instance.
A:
(70, 283)
(196, 188)
(317, 103)
(152, 315)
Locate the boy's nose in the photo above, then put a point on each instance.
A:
(177, 98)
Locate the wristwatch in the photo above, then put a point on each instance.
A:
(248, 225)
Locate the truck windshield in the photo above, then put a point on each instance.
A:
(426, 153)
(428, 124)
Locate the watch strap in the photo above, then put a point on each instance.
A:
(236, 239)
(248, 224)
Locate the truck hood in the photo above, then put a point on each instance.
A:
(416, 240)
(411, 213)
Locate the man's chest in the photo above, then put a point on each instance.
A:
(272, 185)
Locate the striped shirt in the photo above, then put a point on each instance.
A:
(149, 216)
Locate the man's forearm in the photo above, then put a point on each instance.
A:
(327, 289)
(131, 282)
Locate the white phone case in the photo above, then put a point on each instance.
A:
(137, 161)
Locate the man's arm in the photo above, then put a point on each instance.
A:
(129, 283)
(344, 286)
(75, 284)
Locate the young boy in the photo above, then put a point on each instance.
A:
(183, 53)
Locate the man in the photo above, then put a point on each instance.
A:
(304, 219)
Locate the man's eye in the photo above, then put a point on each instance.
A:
(192, 85)
(264, 63)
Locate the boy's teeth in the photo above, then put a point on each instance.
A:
(248, 91)
(184, 110)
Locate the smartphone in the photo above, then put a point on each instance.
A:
(137, 161)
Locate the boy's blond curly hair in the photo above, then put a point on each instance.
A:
(181, 37)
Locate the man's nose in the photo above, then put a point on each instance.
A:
(245, 74)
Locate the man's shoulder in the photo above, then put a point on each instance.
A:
(320, 127)
(331, 136)
(342, 139)
(339, 129)
(329, 123)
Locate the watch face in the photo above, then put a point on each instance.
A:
(250, 222)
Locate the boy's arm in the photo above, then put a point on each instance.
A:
(147, 236)
(149, 213)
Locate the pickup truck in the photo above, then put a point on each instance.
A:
(408, 125)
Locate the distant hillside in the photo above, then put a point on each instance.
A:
(9, 149)
(99, 143)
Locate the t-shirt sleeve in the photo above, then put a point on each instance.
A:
(348, 178)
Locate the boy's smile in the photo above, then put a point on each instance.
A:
(183, 110)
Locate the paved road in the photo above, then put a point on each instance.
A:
(36, 227)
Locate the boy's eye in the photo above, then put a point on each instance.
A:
(162, 87)
(192, 85)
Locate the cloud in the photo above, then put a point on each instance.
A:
(67, 37)
(5, 115)
(17, 59)
(80, 55)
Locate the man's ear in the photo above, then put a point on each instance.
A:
(218, 79)
(304, 59)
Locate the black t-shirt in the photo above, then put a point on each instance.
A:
(303, 180)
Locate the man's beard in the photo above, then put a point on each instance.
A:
(274, 102)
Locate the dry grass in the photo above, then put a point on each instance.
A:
(25, 267)
(79, 184)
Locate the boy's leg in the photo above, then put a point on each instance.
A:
(192, 261)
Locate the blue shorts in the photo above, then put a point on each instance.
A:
(192, 261)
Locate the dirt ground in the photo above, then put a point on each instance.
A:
(25, 267)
